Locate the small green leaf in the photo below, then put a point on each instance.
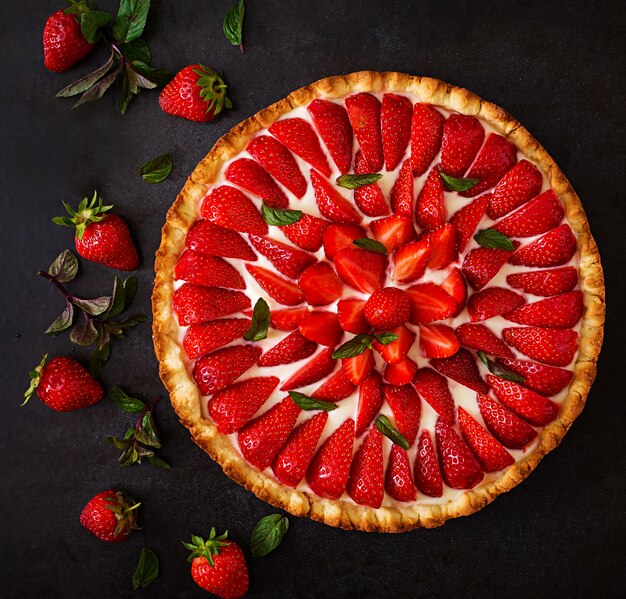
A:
(130, 289)
(310, 403)
(268, 534)
(65, 267)
(118, 301)
(490, 238)
(354, 347)
(158, 462)
(147, 569)
(84, 334)
(370, 244)
(498, 370)
(119, 443)
(93, 307)
(260, 322)
(131, 20)
(129, 456)
(383, 424)
(385, 338)
(457, 183)
(279, 217)
(99, 357)
(158, 169)
(147, 424)
(95, 92)
(63, 322)
(83, 84)
(90, 23)
(129, 404)
(137, 50)
(356, 181)
(233, 24)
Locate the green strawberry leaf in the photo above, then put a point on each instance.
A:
(129, 404)
(233, 24)
(457, 183)
(158, 169)
(498, 370)
(260, 322)
(63, 322)
(308, 403)
(356, 181)
(354, 347)
(65, 267)
(370, 244)
(279, 217)
(492, 239)
(268, 534)
(383, 424)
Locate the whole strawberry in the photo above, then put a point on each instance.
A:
(218, 566)
(100, 237)
(197, 93)
(63, 385)
(111, 516)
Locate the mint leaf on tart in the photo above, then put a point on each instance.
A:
(360, 343)
(233, 24)
(147, 569)
(268, 534)
(260, 322)
(492, 239)
(383, 424)
(280, 217)
(498, 370)
(457, 183)
(307, 403)
(370, 244)
(158, 169)
(356, 181)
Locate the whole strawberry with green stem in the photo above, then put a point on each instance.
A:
(100, 237)
(111, 516)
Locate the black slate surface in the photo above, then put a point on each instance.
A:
(558, 67)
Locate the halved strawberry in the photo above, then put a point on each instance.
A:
(467, 219)
(358, 367)
(203, 338)
(194, 303)
(287, 319)
(554, 248)
(393, 231)
(224, 366)
(401, 373)
(387, 308)
(307, 233)
(430, 209)
(285, 258)
(483, 264)
(454, 285)
(555, 347)
(426, 133)
(396, 351)
(370, 401)
(545, 380)
(433, 388)
(250, 175)
(332, 124)
(234, 406)
(427, 472)
(320, 284)
(351, 318)
(292, 348)
(520, 184)
(495, 158)
(559, 311)
(505, 426)
(395, 119)
(369, 198)
(328, 472)
(480, 337)
(399, 478)
(283, 291)
(334, 388)
(331, 204)
(322, 327)
(361, 269)
(545, 282)
(337, 237)
(406, 407)
(429, 303)
(364, 112)
(314, 370)
(443, 246)
(212, 240)
(228, 207)
(462, 368)
(537, 216)
(210, 271)
(493, 301)
(462, 137)
(401, 197)
(410, 260)
(460, 468)
(438, 341)
(366, 483)
(298, 135)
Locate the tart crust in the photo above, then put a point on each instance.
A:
(185, 396)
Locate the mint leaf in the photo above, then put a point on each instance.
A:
(233, 24)
(457, 183)
(498, 370)
(93, 307)
(383, 424)
(90, 23)
(84, 334)
(65, 267)
(492, 239)
(356, 346)
(307, 403)
(99, 357)
(268, 534)
(64, 321)
(99, 89)
(356, 181)
(385, 338)
(149, 428)
(158, 169)
(83, 84)
(131, 20)
(147, 569)
(370, 244)
(137, 50)
(280, 217)
(260, 322)
(129, 404)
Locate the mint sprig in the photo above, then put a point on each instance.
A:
(360, 343)
(260, 322)
(233, 24)
(492, 239)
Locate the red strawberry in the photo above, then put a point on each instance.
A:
(292, 461)
(480, 337)
(488, 451)
(467, 219)
(63, 385)
(545, 282)
(230, 208)
(495, 158)
(366, 482)
(387, 308)
(283, 291)
(438, 341)
(254, 178)
(454, 285)
(559, 311)
(287, 319)
(426, 134)
(328, 472)
(429, 302)
(335, 388)
(396, 351)
(430, 209)
(537, 216)
(505, 426)
(370, 402)
(331, 204)
(292, 348)
(200, 339)
(410, 260)
(554, 248)
(443, 247)
(463, 136)
(459, 466)
(546, 380)
(307, 233)
(286, 259)
(492, 301)
(361, 269)
(212, 240)
(322, 327)
(395, 117)
(63, 41)
(364, 112)
(111, 516)
(483, 264)
(320, 284)
(400, 373)
(401, 197)
(224, 366)
(278, 161)
(433, 388)
(532, 407)
(427, 473)
(302, 140)
(314, 370)
(332, 124)
(338, 237)
(399, 478)
(196, 93)
(351, 318)
(555, 347)
(461, 367)
(369, 198)
(193, 303)
(358, 367)
(209, 271)
(520, 184)
(406, 407)
(393, 231)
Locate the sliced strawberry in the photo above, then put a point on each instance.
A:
(307, 233)
(460, 468)
(393, 231)
(426, 133)
(395, 116)
(212, 240)
(399, 478)
(430, 209)
(454, 285)
(438, 341)
(387, 308)
(495, 158)
(369, 198)
(320, 284)
(483, 264)
(396, 351)
(410, 260)
(332, 124)
(366, 482)
(433, 388)
(314, 370)
(554, 248)
(298, 135)
(463, 136)
(488, 451)
(283, 291)
(370, 402)
(401, 197)
(555, 347)
(228, 207)
(401, 373)
(545, 282)
(331, 204)
(287, 319)
(285, 258)
(505, 426)
(537, 216)
(443, 247)
(358, 367)
(292, 348)
(338, 237)
(361, 269)
(322, 327)
(364, 112)
(193, 303)
(493, 301)
(480, 337)
(335, 388)
(545, 380)
(278, 161)
(209, 271)
(467, 219)
(429, 303)
(250, 175)
(328, 472)
(406, 407)
(200, 339)
(520, 184)
(222, 367)
(559, 311)
(234, 406)
(351, 318)
(462, 368)
(427, 473)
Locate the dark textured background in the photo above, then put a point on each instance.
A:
(558, 67)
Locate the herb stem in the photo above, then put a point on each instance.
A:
(68, 296)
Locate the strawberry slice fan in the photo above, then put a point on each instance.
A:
(378, 303)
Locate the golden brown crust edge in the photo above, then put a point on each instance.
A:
(185, 395)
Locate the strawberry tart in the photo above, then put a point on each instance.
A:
(378, 303)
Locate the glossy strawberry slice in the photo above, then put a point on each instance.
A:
(338, 237)
(369, 198)
(366, 482)
(467, 219)
(228, 207)
(200, 339)
(248, 174)
(554, 248)
(361, 269)
(234, 406)
(399, 478)
(387, 308)
(495, 158)
(393, 231)
(320, 284)
(331, 204)
(406, 407)
(301, 139)
(322, 327)
(520, 184)
(460, 468)
(335, 388)
(430, 209)
(283, 291)
(537, 216)
(438, 341)
(358, 367)
(287, 319)
(505, 426)
(426, 133)
(209, 271)
(463, 136)
(396, 114)
(545, 380)
(493, 301)
(314, 370)
(278, 161)
(433, 388)
(396, 351)
(212, 240)
(489, 452)
(559, 311)
(443, 247)
(307, 233)
(480, 337)
(286, 259)
(292, 348)
(224, 366)
(332, 124)
(370, 402)
(462, 368)
(401, 197)
(364, 112)
(328, 472)
(410, 260)
(545, 282)
(351, 318)
(429, 303)
(454, 285)
(401, 373)
(427, 472)
(483, 264)
(555, 347)
(193, 303)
